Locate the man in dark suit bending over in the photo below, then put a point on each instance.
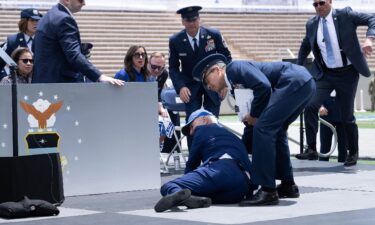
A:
(339, 59)
(58, 56)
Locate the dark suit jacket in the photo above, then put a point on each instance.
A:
(212, 141)
(181, 53)
(58, 57)
(265, 78)
(346, 23)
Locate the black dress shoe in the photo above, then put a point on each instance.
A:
(309, 154)
(195, 202)
(172, 200)
(287, 191)
(262, 198)
(351, 160)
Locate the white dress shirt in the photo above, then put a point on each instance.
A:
(191, 41)
(335, 43)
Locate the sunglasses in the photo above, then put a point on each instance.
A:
(81, 1)
(31, 61)
(139, 55)
(321, 3)
(156, 67)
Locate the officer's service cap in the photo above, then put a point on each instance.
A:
(31, 13)
(189, 13)
(199, 70)
(197, 113)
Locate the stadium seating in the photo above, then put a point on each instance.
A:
(258, 36)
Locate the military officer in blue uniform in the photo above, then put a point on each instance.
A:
(187, 48)
(281, 91)
(27, 28)
(223, 177)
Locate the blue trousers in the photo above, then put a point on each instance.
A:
(221, 180)
(271, 156)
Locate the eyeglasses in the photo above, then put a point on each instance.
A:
(156, 67)
(139, 55)
(31, 61)
(321, 3)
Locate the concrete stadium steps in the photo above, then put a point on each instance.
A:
(258, 36)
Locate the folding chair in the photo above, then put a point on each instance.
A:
(172, 102)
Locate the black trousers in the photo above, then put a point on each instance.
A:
(345, 84)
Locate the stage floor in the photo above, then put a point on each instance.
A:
(330, 195)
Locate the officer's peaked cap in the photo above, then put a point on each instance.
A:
(31, 13)
(199, 70)
(190, 12)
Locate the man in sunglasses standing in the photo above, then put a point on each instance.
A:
(186, 49)
(58, 55)
(339, 59)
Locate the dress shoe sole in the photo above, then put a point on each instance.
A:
(172, 200)
(195, 202)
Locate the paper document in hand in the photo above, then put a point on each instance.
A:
(244, 97)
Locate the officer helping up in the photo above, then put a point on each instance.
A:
(281, 91)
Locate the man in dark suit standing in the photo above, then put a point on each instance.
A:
(339, 59)
(188, 47)
(58, 55)
(281, 91)
(224, 176)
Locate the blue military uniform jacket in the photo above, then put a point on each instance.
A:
(182, 54)
(266, 78)
(58, 57)
(13, 41)
(212, 141)
(346, 22)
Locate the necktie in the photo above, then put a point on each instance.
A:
(327, 41)
(195, 45)
(30, 40)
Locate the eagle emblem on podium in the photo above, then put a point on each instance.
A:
(41, 138)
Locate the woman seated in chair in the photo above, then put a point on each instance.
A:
(135, 65)
(24, 59)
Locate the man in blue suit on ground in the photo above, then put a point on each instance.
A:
(339, 59)
(58, 56)
(281, 91)
(224, 176)
(187, 48)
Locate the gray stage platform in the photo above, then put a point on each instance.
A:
(331, 195)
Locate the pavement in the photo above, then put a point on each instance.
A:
(331, 194)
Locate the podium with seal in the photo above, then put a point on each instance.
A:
(95, 129)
